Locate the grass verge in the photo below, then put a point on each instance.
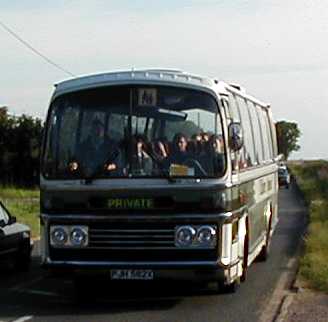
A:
(312, 179)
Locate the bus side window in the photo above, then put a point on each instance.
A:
(266, 143)
(235, 117)
(269, 134)
(249, 152)
(257, 133)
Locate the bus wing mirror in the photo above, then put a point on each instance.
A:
(12, 220)
(236, 139)
(279, 158)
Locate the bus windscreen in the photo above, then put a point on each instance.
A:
(134, 131)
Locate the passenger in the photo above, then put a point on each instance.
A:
(196, 145)
(142, 162)
(180, 153)
(213, 159)
(159, 150)
(205, 137)
(98, 150)
(219, 155)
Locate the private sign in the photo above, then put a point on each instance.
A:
(135, 203)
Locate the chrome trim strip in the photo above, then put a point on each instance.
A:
(126, 242)
(136, 218)
(129, 236)
(81, 264)
(133, 248)
(150, 231)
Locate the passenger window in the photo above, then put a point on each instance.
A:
(268, 129)
(249, 153)
(257, 133)
(266, 148)
(225, 104)
(235, 116)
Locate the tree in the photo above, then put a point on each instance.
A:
(20, 139)
(25, 148)
(288, 134)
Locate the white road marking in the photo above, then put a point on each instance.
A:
(24, 318)
(24, 285)
(38, 292)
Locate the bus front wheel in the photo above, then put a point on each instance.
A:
(229, 288)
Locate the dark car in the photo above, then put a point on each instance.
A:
(15, 241)
(283, 177)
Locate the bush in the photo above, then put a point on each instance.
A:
(312, 179)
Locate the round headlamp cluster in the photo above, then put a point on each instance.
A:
(195, 236)
(69, 236)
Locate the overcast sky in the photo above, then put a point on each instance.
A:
(278, 50)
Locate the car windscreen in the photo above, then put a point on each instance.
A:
(134, 131)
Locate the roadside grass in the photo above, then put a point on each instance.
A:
(312, 179)
(24, 205)
(11, 192)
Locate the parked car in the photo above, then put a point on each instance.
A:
(283, 177)
(15, 241)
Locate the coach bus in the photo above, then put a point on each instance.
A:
(157, 174)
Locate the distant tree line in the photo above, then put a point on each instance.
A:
(20, 141)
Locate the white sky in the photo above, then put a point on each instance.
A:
(277, 49)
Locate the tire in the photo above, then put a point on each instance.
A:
(22, 259)
(245, 260)
(265, 251)
(229, 288)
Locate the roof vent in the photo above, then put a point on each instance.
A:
(239, 87)
(163, 70)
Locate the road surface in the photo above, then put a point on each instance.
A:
(35, 297)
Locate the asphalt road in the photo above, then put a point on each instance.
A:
(34, 296)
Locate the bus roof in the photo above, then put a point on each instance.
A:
(157, 76)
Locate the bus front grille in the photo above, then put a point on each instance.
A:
(132, 242)
(131, 238)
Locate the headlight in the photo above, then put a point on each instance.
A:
(58, 236)
(78, 236)
(206, 235)
(26, 235)
(184, 236)
(195, 236)
(69, 236)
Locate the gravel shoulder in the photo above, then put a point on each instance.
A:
(306, 306)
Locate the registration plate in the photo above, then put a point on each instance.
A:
(131, 274)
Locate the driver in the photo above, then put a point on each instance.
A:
(98, 150)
